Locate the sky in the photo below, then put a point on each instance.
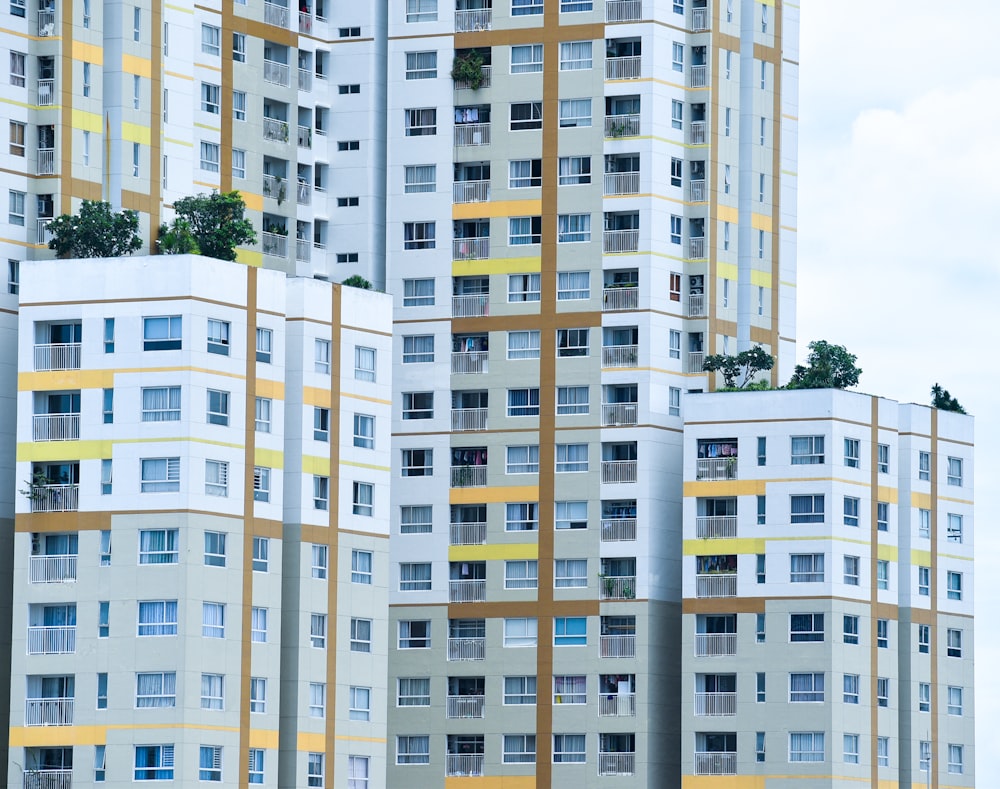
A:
(899, 174)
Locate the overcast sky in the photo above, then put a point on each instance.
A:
(899, 190)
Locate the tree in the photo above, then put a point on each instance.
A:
(96, 232)
(942, 399)
(357, 281)
(828, 367)
(742, 367)
(217, 223)
(177, 238)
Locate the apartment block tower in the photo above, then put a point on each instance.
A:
(200, 548)
(828, 577)
(584, 198)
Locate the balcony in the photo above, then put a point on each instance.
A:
(305, 78)
(46, 23)
(699, 19)
(485, 81)
(621, 184)
(466, 649)
(273, 186)
(46, 164)
(714, 763)
(468, 419)
(618, 587)
(465, 706)
(714, 644)
(470, 191)
(467, 134)
(616, 763)
(48, 779)
(274, 72)
(468, 476)
(617, 127)
(52, 569)
(616, 705)
(618, 529)
(619, 414)
(699, 76)
(695, 362)
(620, 241)
(56, 427)
(470, 363)
(275, 130)
(274, 245)
(473, 21)
(464, 764)
(696, 305)
(698, 131)
(715, 527)
(616, 299)
(476, 305)
(305, 26)
(696, 247)
(623, 68)
(620, 356)
(303, 193)
(471, 591)
(697, 191)
(303, 249)
(276, 15)
(470, 249)
(52, 640)
(715, 469)
(623, 10)
(715, 704)
(716, 585)
(618, 471)
(42, 233)
(48, 712)
(57, 356)
(46, 92)
(55, 498)
(305, 137)
(617, 646)
(467, 534)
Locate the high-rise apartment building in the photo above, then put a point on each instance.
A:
(201, 541)
(828, 577)
(584, 199)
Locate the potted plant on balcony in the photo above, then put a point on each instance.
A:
(618, 128)
(467, 69)
(35, 490)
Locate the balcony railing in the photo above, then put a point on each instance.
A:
(46, 92)
(55, 498)
(468, 476)
(470, 248)
(696, 305)
(619, 126)
(56, 427)
(695, 362)
(474, 20)
(472, 134)
(473, 591)
(616, 414)
(696, 247)
(717, 468)
(274, 245)
(275, 130)
(623, 10)
(468, 419)
(714, 644)
(52, 569)
(276, 15)
(57, 356)
(464, 764)
(48, 712)
(623, 68)
(305, 26)
(274, 72)
(467, 534)
(621, 298)
(714, 703)
(618, 587)
(303, 193)
(46, 23)
(618, 646)
(618, 241)
(52, 640)
(46, 163)
(470, 191)
(305, 137)
(715, 763)
(484, 82)
(617, 705)
(715, 527)
(466, 649)
(621, 184)
(42, 233)
(618, 530)
(305, 79)
(465, 706)
(475, 305)
(699, 19)
(717, 585)
(303, 249)
(620, 356)
(618, 471)
(48, 779)
(697, 191)
(273, 186)
(699, 76)
(698, 131)
(616, 763)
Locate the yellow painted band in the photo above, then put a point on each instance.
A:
(253, 201)
(728, 213)
(313, 395)
(491, 782)
(498, 208)
(263, 738)
(366, 398)
(495, 552)
(757, 278)
(275, 390)
(88, 53)
(184, 143)
(742, 487)
(49, 451)
(314, 742)
(86, 121)
(724, 547)
(493, 495)
(888, 553)
(468, 268)
(268, 458)
(97, 379)
(133, 64)
(761, 222)
(133, 132)
(311, 464)
(251, 257)
(920, 501)
(920, 558)
(369, 466)
(889, 495)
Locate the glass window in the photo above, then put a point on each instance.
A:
(415, 519)
(570, 631)
(364, 431)
(361, 635)
(806, 628)
(261, 484)
(212, 697)
(572, 458)
(414, 634)
(807, 450)
(414, 576)
(519, 690)
(157, 618)
(524, 287)
(421, 65)
(570, 573)
(158, 546)
(572, 400)
(418, 349)
(803, 687)
(162, 333)
(261, 549)
(161, 404)
(526, 58)
(807, 509)
(852, 685)
(413, 749)
(522, 459)
(154, 763)
(156, 689)
(806, 746)
(361, 567)
(213, 620)
(216, 478)
(363, 499)
(520, 632)
(574, 55)
(413, 692)
(569, 748)
(418, 292)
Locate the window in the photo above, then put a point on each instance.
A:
(675, 229)
(105, 548)
(364, 430)
(761, 510)
(418, 349)
(805, 627)
(954, 643)
(418, 292)
(348, 145)
(525, 173)
(161, 404)
(265, 340)
(807, 746)
(924, 581)
(261, 484)
(413, 749)
(321, 492)
(239, 163)
(522, 459)
(678, 57)
(807, 509)
(256, 766)
(852, 685)
(210, 97)
(882, 690)
(674, 401)
(924, 524)
(418, 405)
(569, 748)
(519, 748)
(419, 178)
(320, 554)
(526, 8)
(421, 122)
(210, 40)
(210, 763)
(321, 424)
(572, 6)
(852, 570)
(523, 344)
(519, 690)
(213, 620)
(360, 703)
(154, 763)
(882, 633)
(262, 414)
(212, 692)
(522, 402)
(102, 691)
(806, 568)
(852, 452)
(137, 23)
(520, 574)
(760, 631)
(357, 772)
(925, 755)
(16, 212)
(574, 170)
(157, 618)
(571, 514)
(851, 507)
(572, 458)
(806, 687)
(417, 463)
(321, 356)
(218, 408)
(525, 230)
(521, 516)
(925, 466)
(415, 519)
(100, 763)
(361, 567)
(526, 58)
(954, 586)
(17, 138)
(103, 619)
(883, 573)
(415, 633)
(677, 114)
(421, 11)
(524, 287)
(807, 450)
(883, 458)
(361, 635)
(216, 478)
(954, 527)
(761, 687)
(210, 156)
(956, 759)
(924, 638)
(572, 400)
(239, 52)
(882, 516)
(218, 337)
(761, 568)
(14, 279)
(924, 697)
(414, 576)
(675, 344)
(421, 65)
(156, 689)
(158, 546)
(573, 228)
(314, 769)
(413, 692)
(851, 752)
(955, 704)
(573, 113)
(570, 573)
(570, 631)
(520, 632)
(362, 499)
(161, 333)
(525, 115)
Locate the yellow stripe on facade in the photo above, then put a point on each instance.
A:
(920, 501)
(263, 738)
(251, 257)
(253, 202)
(758, 278)
(133, 64)
(366, 398)
(741, 487)
(88, 53)
(98, 379)
(761, 222)
(50, 451)
(208, 127)
(920, 558)
(491, 782)
(42, 736)
(728, 213)
(86, 121)
(133, 132)
(268, 458)
(272, 389)
(182, 9)
(312, 464)
(314, 742)
(469, 268)
(185, 143)
(496, 208)
(493, 495)
(888, 553)
(369, 466)
(724, 547)
(313, 395)
(890, 495)
(494, 552)
(175, 75)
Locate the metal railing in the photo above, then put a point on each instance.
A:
(621, 183)
(696, 247)
(42, 233)
(52, 640)
(617, 646)
(473, 591)
(305, 80)
(472, 134)
(621, 298)
(485, 81)
(275, 130)
(468, 476)
(56, 427)
(470, 248)
(470, 362)
(619, 705)
(698, 130)
(695, 362)
(274, 245)
(699, 76)
(52, 569)
(273, 186)
(620, 356)
(465, 706)
(717, 585)
(464, 764)
(48, 779)
(57, 356)
(623, 10)
(714, 703)
(276, 15)
(715, 763)
(475, 305)
(613, 414)
(699, 19)
(305, 137)
(618, 241)
(274, 72)
(618, 529)
(46, 23)
(474, 20)
(305, 23)
(468, 419)
(616, 763)
(466, 649)
(619, 126)
(623, 68)
(46, 163)
(48, 712)
(619, 471)
(618, 587)
(715, 527)
(470, 191)
(714, 644)
(303, 249)
(303, 193)
(697, 191)
(55, 498)
(696, 305)
(717, 468)
(467, 533)
(46, 92)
